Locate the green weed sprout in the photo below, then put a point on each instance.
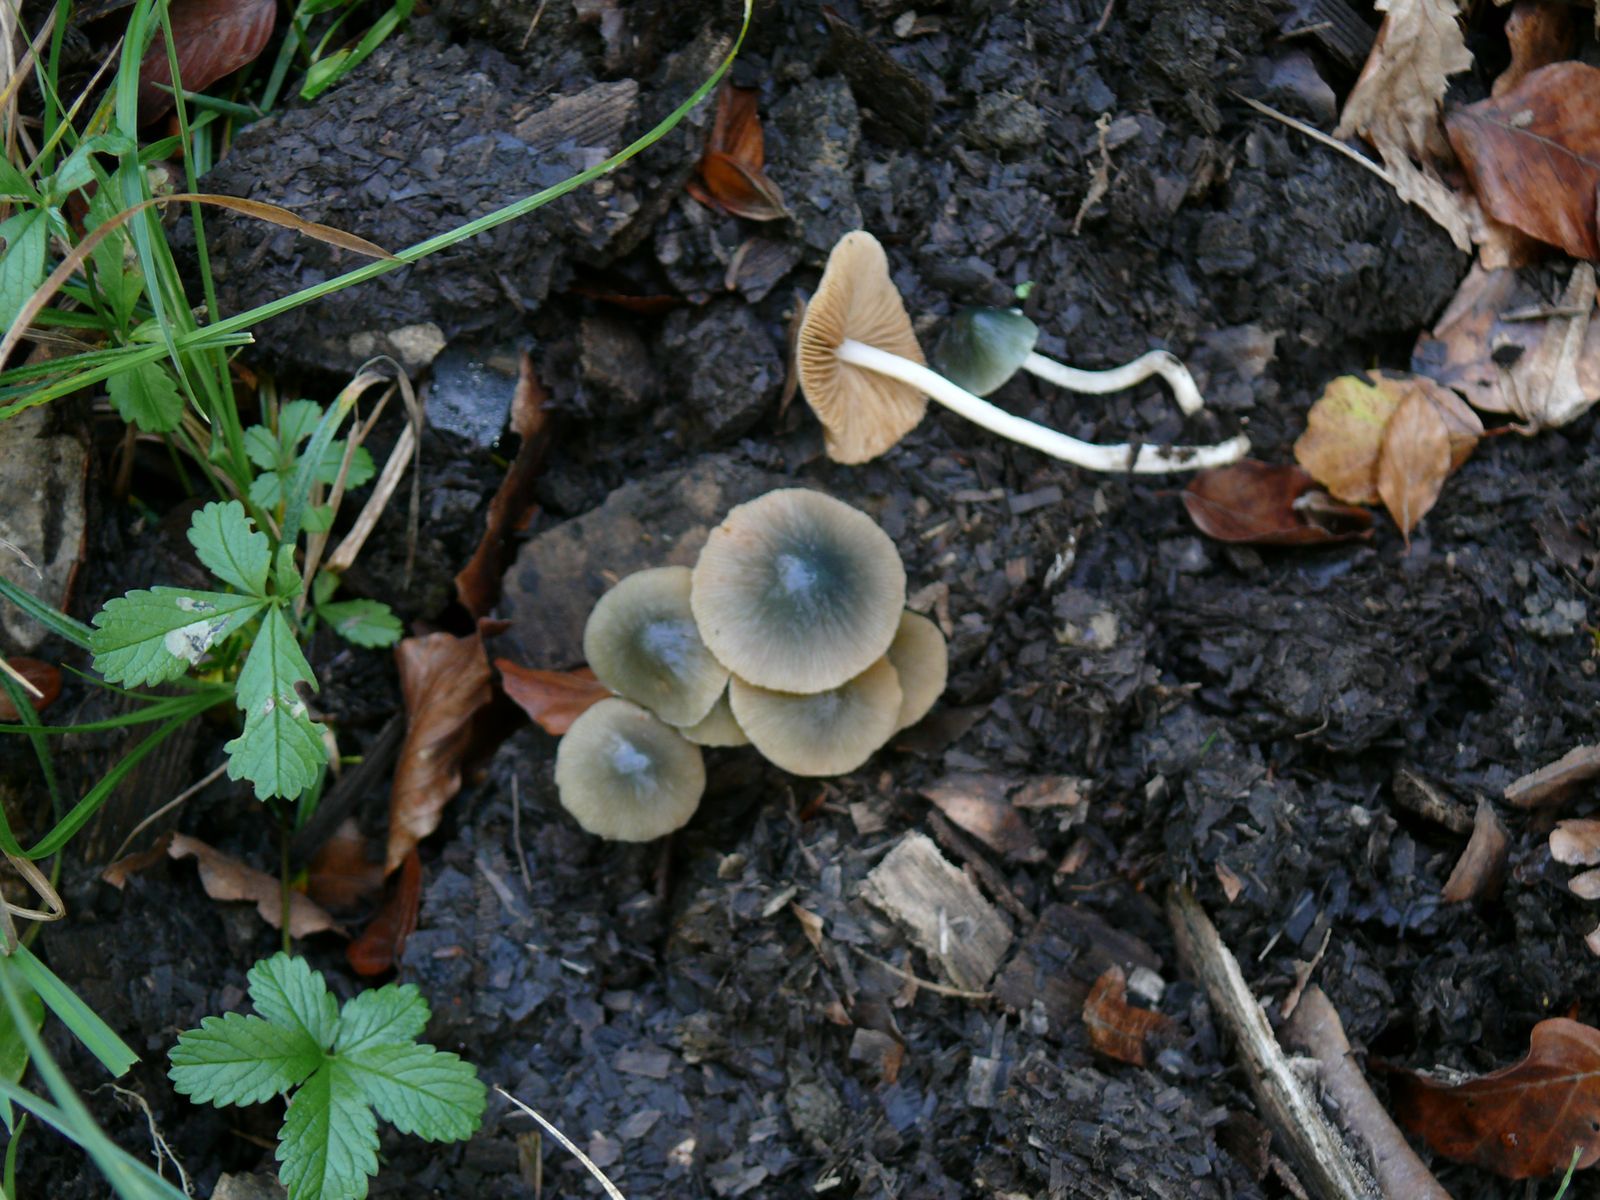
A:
(346, 1067)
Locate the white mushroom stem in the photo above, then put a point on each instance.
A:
(1098, 383)
(1143, 460)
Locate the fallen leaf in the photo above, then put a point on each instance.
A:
(1413, 462)
(444, 680)
(226, 878)
(213, 38)
(553, 700)
(340, 874)
(1540, 32)
(979, 805)
(1481, 868)
(1489, 345)
(132, 864)
(1576, 843)
(1344, 434)
(1533, 155)
(730, 170)
(1116, 1028)
(1522, 1121)
(384, 939)
(1550, 783)
(44, 678)
(1270, 504)
(478, 584)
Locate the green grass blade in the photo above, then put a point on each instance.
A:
(97, 1037)
(55, 621)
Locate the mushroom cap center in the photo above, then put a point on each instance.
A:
(672, 642)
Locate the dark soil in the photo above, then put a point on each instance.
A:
(1234, 713)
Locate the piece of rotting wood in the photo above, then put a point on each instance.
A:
(1325, 1164)
(1550, 784)
(961, 932)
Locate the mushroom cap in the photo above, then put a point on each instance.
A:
(718, 729)
(862, 413)
(921, 660)
(797, 591)
(641, 641)
(626, 776)
(983, 347)
(825, 733)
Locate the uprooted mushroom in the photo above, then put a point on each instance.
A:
(864, 375)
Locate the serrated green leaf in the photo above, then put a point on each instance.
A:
(361, 465)
(394, 1014)
(287, 573)
(119, 279)
(234, 1059)
(147, 396)
(266, 489)
(27, 238)
(287, 992)
(13, 182)
(297, 420)
(156, 635)
(368, 623)
(323, 587)
(420, 1090)
(318, 519)
(228, 543)
(280, 750)
(329, 1144)
(263, 448)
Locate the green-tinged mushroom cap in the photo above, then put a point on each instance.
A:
(718, 729)
(626, 776)
(983, 347)
(825, 733)
(922, 661)
(642, 643)
(797, 591)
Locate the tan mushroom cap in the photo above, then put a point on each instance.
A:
(641, 641)
(797, 591)
(922, 661)
(626, 776)
(718, 729)
(862, 413)
(825, 733)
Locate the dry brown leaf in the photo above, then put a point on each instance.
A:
(553, 700)
(1533, 154)
(1116, 1028)
(1522, 1121)
(730, 170)
(979, 805)
(1344, 433)
(340, 875)
(445, 681)
(741, 190)
(1576, 842)
(226, 878)
(1413, 462)
(212, 38)
(1270, 504)
(1540, 33)
(384, 939)
(1481, 868)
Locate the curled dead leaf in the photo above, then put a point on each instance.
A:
(730, 170)
(1522, 1121)
(1481, 868)
(445, 682)
(340, 875)
(553, 700)
(1270, 504)
(384, 939)
(226, 878)
(212, 38)
(1540, 32)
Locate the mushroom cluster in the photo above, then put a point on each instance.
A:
(790, 634)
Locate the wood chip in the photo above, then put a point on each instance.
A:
(1481, 868)
(978, 803)
(1576, 843)
(946, 915)
(1116, 1028)
(879, 1051)
(1551, 783)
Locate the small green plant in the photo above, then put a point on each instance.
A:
(346, 1067)
(277, 454)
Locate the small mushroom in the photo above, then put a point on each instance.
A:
(824, 733)
(983, 347)
(624, 775)
(718, 729)
(642, 642)
(864, 377)
(797, 592)
(921, 660)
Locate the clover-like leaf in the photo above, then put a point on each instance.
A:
(420, 1090)
(386, 1016)
(329, 1143)
(234, 1059)
(287, 992)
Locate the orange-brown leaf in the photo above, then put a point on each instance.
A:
(1533, 154)
(742, 190)
(1522, 1121)
(1270, 504)
(44, 678)
(553, 700)
(226, 878)
(213, 38)
(1540, 32)
(445, 681)
(384, 939)
(736, 129)
(340, 874)
(1116, 1028)
(1413, 461)
(1344, 433)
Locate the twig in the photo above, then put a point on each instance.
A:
(938, 989)
(187, 792)
(21, 680)
(516, 836)
(1321, 1156)
(611, 1188)
(1316, 135)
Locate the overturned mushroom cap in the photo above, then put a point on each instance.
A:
(862, 412)
(718, 729)
(983, 347)
(642, 643)
(922, 662)
(825, 733)
(797, 591)
(626, 776)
